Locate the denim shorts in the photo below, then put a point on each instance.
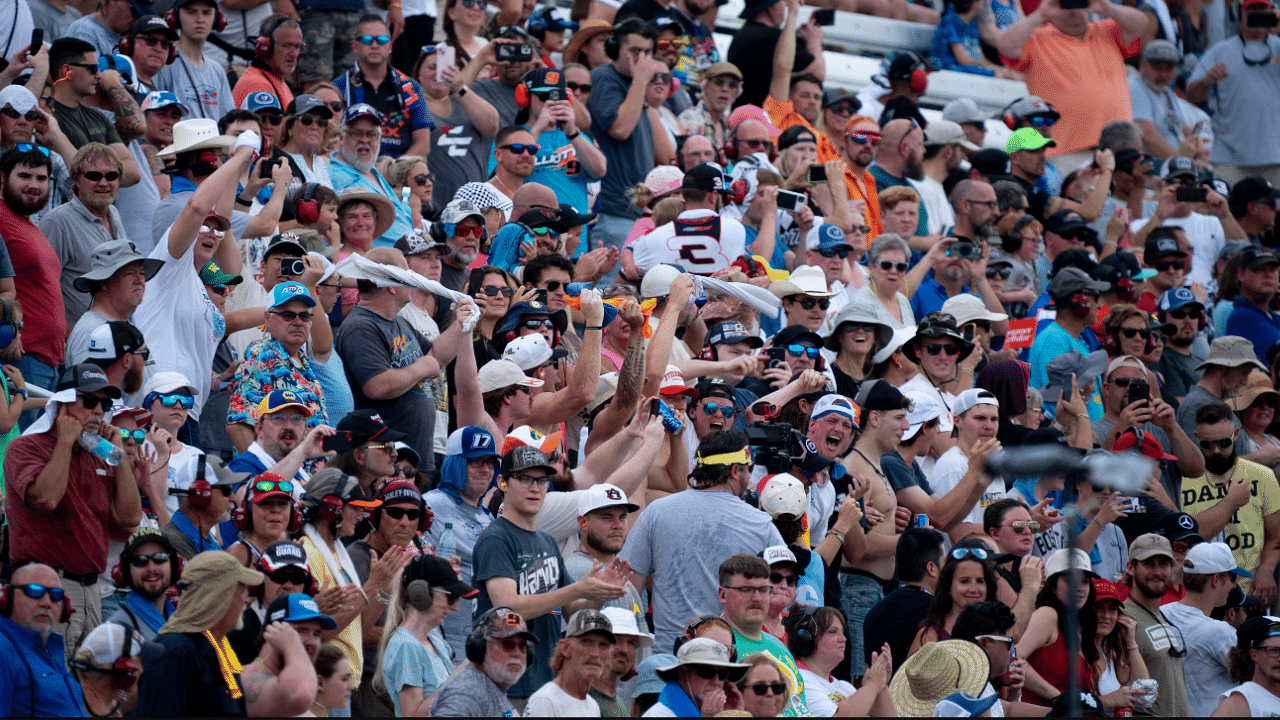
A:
(858, 593)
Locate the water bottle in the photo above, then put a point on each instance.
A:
(448, 543)
(101, 448)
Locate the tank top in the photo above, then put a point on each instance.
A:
(1261, 702)
(1051, 662)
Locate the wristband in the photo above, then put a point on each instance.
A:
(574, 136)
(243, 202)
(594, 327)
(838, 534)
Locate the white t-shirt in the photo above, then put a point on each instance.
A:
(1261, 702)
(181, 324)
(941, 214)
(948, 472)
(997, 710)
(700, 241)
(551, 700)
(1206, 237)
(822, 503)
(823, 695)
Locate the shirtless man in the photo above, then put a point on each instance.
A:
(281, 681)
(670, 470)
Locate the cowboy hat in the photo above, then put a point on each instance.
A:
(196, 134)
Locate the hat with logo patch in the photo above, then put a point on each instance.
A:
(525, 435)
(1178, 297)
(282, 554)
(286, 291)
(540, 80)
(1254, 258)
(711, 387)
(826, 237)
(782, 555)
(360, 427)
(299, 607)
(357, 111)
(261, 100)
(471, 442)
(705, 177)
(110, 258)
(111, 341)
(589, 621)
(604, 495)
(1064, 221)
(162, 99)
(1178, 526)
(213, 275)
(280, 400)
(782, 495)
(525, 457)
(1179, 167)
(149, 24)
(840, 405)
(413, 243)
(673, 384)
(732, 332)
(86, 378)
(1031, 105)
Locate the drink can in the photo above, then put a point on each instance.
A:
(672, 423)
(1124, 712)
(922, 520)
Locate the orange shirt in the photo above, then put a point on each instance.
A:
(864, 188)
(784, 115)
(255, 79)
(1084, 79)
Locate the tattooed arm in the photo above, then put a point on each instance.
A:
(631, 376)
(130, 122)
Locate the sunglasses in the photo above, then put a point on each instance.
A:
(1184, 313)
(552, 285)
(31, 116)
(374, 40)
(842, 253)
(1268, 400)
(864, 139)
(887, 265)
(138, 436)
(424, 178)
(32, 590)
(757, 144)
(673, 44)
(726, 411)
(939, 348)
(206, 230)
(808, 303)
(545, 231)
(1164, 265)
(962, 553)
(493, 290)
(859, 326)
(28, 147)
(778, 688)
(401, 513)
(843, 108)
(140, 561)
(153, 41)
(538, 324)
(91, 67)
(516, 643)
(1219, 443)
(182, 400)
(1002, 272)
(1135, 332)
(280, 577)
(796, 350)
(265, 486)
(779, 578)
(578, 87)
(517, 148)
(465, 231)
(218, 289)
(731, 83)
(662, 78)
(95, 176)
(92, 401)
(1020, 526)
(707, 672)
(290, 316)
(1123, 381)
(271, 118)
(1039, 121)
(308, 119)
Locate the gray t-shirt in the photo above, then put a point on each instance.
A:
(140, 201)
(501, 96)
(579, 563)
(74, 233)
(1161, 109)
(93, 32)
(629, 160)
(370, 345)
(470, 693)
(1179, 373)
(679, 542)
(204, 89)
(1197, 397)
(53, 21)
(459, 154)
(901, 475)
(1246, 99)
(467, 521)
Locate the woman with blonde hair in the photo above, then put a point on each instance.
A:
(765, 688)
(410, 172)
(413, 657)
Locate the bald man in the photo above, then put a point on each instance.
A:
(34, 672)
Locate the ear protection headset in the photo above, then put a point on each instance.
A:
(265, 45)
(478, 642)
(219, 19)
(731, 150)
(613, 43)
(1006, 115)
(243, 518)
(308, 208)
(1077, 304)
(125, 676)
(803, 633)
(123, 580)
(329, 509)
(6, 604)
(200, 494)
(691, 630)
(917, 78)
(126, 46)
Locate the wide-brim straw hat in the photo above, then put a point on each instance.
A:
(934, 672)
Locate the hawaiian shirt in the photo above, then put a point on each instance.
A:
(267, 366)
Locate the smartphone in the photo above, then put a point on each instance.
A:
(37, 40)
(266, 167)
(512, 52)
(291, 266)
(540, 296)
(817, 174)
(653, 408)
(1139, 390)
(1074, 4)
(826, 17)
(1261, 20)
(777, 356)
(790, 201)
(1068, 390)
(1192, 194)
(965, 249)
(446, 56)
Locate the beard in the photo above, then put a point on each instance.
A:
(1180, 340)
(602, 545)
(133, 379)
(912, 168)
(499, 674)
(460, 258)
(148, 594)
(350, 157)
(1219, 464)
(19, 203)
(563, 481)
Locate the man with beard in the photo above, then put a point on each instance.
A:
(945, 147)
(1161, 645)
(281, 681)
(1251, 315)
(1237, 497)
(620, 664)
(602, 518)
(88, 220)
(500, 88)
(479, 688)
(744, 595)
(899, 160)
(1253, 205)
(464, 231)
(1026, 148)
(1177, 365)
(1075, 298)
(22, 129)
(27, 626)
(1259, 693)
(947, 361)
(148, 564)
(354, 166)
(120, 350)
(1226, 370)
(858, 151)
(579, 659)
(281, 445)
(1169, 123)
(25, 190)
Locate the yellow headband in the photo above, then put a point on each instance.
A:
(739, 457)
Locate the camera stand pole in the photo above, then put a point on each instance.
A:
(1075, 576)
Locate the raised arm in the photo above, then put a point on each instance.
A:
(186, 228)
(660, 344)
(1016, 35)
(555, 407)
(784, 55)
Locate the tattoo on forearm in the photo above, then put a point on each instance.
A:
(631, 377)
(128, 114)
(156, 164)
(251, 683)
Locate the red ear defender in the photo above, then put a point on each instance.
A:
(309, 207)
(117, 576)
(730, 149)
(200, 494)
(295, 519)
(919, 80)
(675, 85)
(329, 509)
(737, 191)
(262, 47)
(240, 516)
(522, 96)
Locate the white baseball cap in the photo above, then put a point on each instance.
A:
(531, 352)
(673, 383)
(967, 308)
(1212, 557)
(971, 398)
(624, 623)
(782, 494)
(778, 554)
(498, 374)
(924, 407)
(657, 281)
(839, 404)
(604, 495)
(1067, 558)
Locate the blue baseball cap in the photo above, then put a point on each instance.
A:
(298, 607)
(162, 99)
(1176, 298)
(827, 237)
(962, 704)
(284, 292)
(278, 400)
(518, 311)
(261, 100)
(360, 110)
(471, 442)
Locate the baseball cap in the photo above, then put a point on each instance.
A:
(147, 535)
(163, 99)
(604, 495)
(1064, 221)
(1027, 139)
(722, 68)
(782, 495)
(752, 112)
(945, 132)
(1178, 527)
(963, 111)
(167, 382)
(1158, 246)
(924, 407)
(525, 435)
(461, 209)
(831, 96)
(657, 280)
(504, 373)
(531, 351)
(359, 110)
(708, 387)
(624, 623)
(439, 575)
(967, 308)
(1032, 105)
(1150, 545)
(1254, 258)
(971, 398)
(284, 243)
(471, 442)
(86, 377)
(1251, 189)
(414, 242)
(840, 405)
(298, 607)
(305, 103)
(731, 332)
(992, 162)
(525, 457)
(111, 340)
(1236, 598)
(1256, 629)
(278, 400)
(826, 237)
(543, 79)
(706, 177)
(795, 134)
(1067, 558)
(587, 621)
(1178, 297)
(359, 427)
(570, 216)
(284, 292)
(1070, 280)
(1212, 557)
(673, 384)
(213, 274)
(255, 496)
(110, 641)
(782, 555)
(1161, 51)
(879, 395)
(543, 218)
(500, 623)
(283, 554)
(1179, 166)
(151, 23)
(261, 100)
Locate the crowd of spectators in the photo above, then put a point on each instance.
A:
(546, 364)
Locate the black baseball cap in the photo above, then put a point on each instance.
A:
(86, 378)
(543, 79)
(992, 162)
(1254, 258)
(880, 395)
(1157, 246)
(795, 134)
(284, 243)
(358, 428)
(538, 217)
(1252, 189)
(796, 333)
(439, 575)
(732, 331)
(151, 23)
(704, 177)
(718, 388)
(570, 216)
(1064, 221)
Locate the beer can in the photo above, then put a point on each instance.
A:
(672, 423)
(922, 520)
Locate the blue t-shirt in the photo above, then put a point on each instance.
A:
(1049, 344)
(1257, 325)
(930, 296)
(953, 30)
(406, 662)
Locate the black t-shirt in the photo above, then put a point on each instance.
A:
(186, 681)
(1010, 434)
(83, 124)
(894, 620)
(646, 10)
(752, 53)
(1037, 199)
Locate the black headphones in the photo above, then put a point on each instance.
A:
(417, 590)
(630, 26)
(802, 632)
(478, 642)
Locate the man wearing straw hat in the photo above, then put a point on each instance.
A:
(935, 671)
(199, 673)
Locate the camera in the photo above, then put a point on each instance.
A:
(774, 445)
(1261, 20)
(825, 17)
(512, 52)
(554, 93)
(266, 167)
(791, 201)
(965, 249)
(291, 266)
